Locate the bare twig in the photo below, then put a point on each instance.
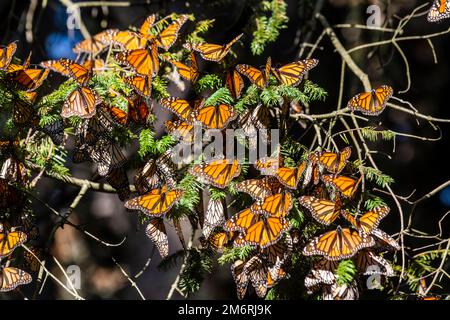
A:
(133, 283)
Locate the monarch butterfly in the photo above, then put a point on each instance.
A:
(69, 68)
(345, 185)
(81, 102)
(182, 108)
(96, 43)
(288, 176)
(143, 61)
(215, 117)
(180, 129)
(257, 228)
(100, 125)
(371, 103)
(262, 276)
(439, 10)
(341, 292)
(6, 55)
(107, 155)
(279, 252)
(14, 171)
(11, 278)
(312, 172)
(338, 244)
(219, 240)
(218, 173)
(148, 178)
(234, 83)
(384, 241)
(118, 179)
(156, 231)
(128, 40)
(137, 111)
(189, 73)
(259, 188)
(333, 162)
(323, 210)
(154, 170)
(292, 74)
(276, 205)
(322, 272)
(213, 52)
(368, 263)
(22, 112)
(255, 121)
(10, 196)
(10, 240)
(241, 278)
(15, 67)
(26, 79)
(142, 84)
(256, 76)
(214, 216)
(156, 202)
(96, 65)
(169, 35)
(369, 220)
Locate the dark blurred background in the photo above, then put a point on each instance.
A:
(415, 165)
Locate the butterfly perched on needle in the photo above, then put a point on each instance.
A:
(212, 52)
(156, 202)
(215, 116)
(156, 231)
(144, 62)
(371, 103)
(6, 55)
(218, 173)
(439, 10)
(292, 74)
(338, 244)
(256, 76)
(369, 220)
(287, 176)
(214, 216)
(189, 73)
(333, 162)
(346, 186)
(234, 83)
(259, 189)
(257, 228)
(10, 240)
(323, 210)
(182, 108)
(96, 44)
(26, 79)
(11, 278)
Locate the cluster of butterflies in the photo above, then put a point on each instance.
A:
(439, 10)
(136, 58)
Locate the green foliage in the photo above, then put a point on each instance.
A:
(373, 202)
(201, 27)
(345, 272)
(314, 91)
(221, 96)
(192, 191)
(208, 82)
(230, 255)
(372, 134)
(197, 265)
(268, 28)
(381, 179)
(148, 144)
(217, 194)
(159, 88)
